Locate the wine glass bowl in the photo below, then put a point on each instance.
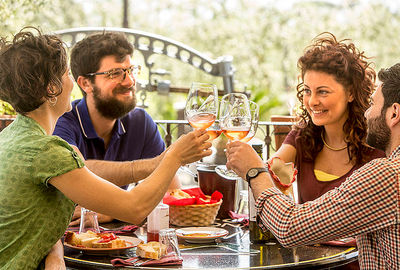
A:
(201, 105)
(235, 121)
(255, 116)
(235, 116)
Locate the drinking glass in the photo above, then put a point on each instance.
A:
(255, 116)
(89, 221)
(201, 111)
(201, 105)
(235, 121)
(168, 238)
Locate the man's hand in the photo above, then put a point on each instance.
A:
(241, 157)
(76, 218)
(55, 258)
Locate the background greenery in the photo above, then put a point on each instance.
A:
(265, 37)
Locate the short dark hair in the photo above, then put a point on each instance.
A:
(390, 78)
(31, 69)
(87, 53)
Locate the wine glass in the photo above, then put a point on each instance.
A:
(255, 115)
(235, 121)
(201, 105)
(201, 111)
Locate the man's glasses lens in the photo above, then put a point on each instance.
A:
(119, 74)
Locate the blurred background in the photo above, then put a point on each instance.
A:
(265, 38)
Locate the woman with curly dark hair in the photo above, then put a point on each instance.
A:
(328, 143)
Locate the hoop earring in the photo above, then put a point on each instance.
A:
(52, 101)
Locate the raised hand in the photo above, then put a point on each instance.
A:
(191, 147)
(241, 157)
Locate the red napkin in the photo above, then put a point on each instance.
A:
(198, 195)
(137, 261)
(121, 230)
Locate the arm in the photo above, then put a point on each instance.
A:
(55, 258)
(134, 205)
(124, 172)
(356, 207)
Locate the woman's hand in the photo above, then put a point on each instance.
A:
(241, 157)
(55, 258)
(191, 147)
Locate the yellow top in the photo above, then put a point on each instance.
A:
(324, 177)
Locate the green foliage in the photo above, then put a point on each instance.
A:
(264, 38)
(6, 109)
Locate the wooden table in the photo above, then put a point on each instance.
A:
(233, 253)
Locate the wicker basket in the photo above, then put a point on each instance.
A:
(193, 215)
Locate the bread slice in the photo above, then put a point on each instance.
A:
(72, 239)
(151, 250)
(88, 242)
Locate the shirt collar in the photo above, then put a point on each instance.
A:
(85, 122)
(395, 153)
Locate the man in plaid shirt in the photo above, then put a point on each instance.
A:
(366, 205)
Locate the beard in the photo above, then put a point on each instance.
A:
(111, 107)
(379, 133)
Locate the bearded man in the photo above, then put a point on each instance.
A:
(117, 140)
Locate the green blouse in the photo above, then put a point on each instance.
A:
(33, 214)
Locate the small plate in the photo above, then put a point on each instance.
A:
(131, 242)
(201, 234)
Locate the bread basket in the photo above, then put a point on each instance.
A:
(194, 215)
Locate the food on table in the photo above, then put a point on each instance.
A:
(180, 194)
(151, 250)
(198, 234)
(91, 239)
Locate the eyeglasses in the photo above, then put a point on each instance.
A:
(118, 75)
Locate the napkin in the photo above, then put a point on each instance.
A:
(198, 197)
(137, 261)
(121, 230)
(346, 242)
(245, 218)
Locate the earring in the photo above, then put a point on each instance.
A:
(52, 101)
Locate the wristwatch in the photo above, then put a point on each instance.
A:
(254, 172)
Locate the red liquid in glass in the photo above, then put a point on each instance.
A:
(152, 236)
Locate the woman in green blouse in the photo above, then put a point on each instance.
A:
(41, 176)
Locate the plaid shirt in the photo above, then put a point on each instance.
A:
(366, 205)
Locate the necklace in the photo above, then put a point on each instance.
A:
(331, 148)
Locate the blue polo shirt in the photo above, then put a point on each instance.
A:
(135, 136)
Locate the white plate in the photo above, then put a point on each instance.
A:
(201, 234)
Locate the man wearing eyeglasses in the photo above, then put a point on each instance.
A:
(117, 140)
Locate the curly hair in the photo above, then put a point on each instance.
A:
(31, 69)
(351, 69)
(87, 54)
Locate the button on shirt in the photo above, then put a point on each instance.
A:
(366, 205)
(135, 136)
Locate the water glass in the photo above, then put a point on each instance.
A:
(243, 208)
(89, 221)
(168, 237)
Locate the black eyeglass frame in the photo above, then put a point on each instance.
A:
(109, 72)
